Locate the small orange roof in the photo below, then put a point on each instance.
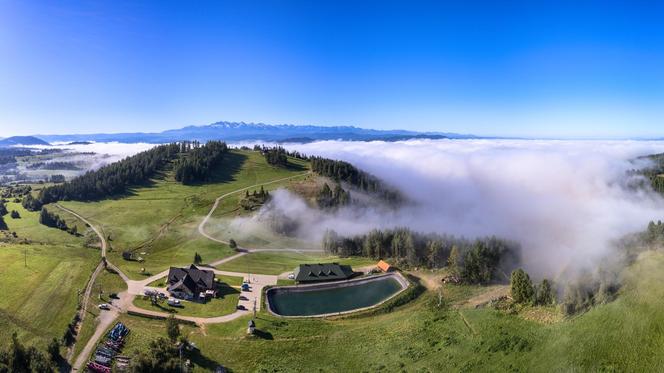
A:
(383, 266)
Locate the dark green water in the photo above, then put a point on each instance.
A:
(332, 300)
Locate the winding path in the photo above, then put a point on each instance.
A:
(201, 226)
(106, 318)
(135, 287)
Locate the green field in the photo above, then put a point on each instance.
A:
(28, 227)
(275, 263)
(224, 305)
(38, 301)
(624, 335)
(161, 219)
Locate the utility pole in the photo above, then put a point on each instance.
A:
(254, 308)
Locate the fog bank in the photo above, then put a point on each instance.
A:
(565, 201)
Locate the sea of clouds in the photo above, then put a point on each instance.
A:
(565, 201)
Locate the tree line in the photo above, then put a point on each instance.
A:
(328, 198)
(198, 165)
(113, 179)
(478, 261)
(653, 172)
(3, 212)
(17, 358)
(57, 165)
(53, 220)
(193, 163)
(346, 172)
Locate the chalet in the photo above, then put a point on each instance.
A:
(322, 272)
(190, 282)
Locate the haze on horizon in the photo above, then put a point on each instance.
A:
(592, 70)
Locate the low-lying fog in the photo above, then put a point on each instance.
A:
(565, 201)
(104, 152)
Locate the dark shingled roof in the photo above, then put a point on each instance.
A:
(322, 272)
(190, 280)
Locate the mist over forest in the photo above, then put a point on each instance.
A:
(566, 202)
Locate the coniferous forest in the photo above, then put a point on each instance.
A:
(193, 162)
(479, 261)
(199, 163)
(346, 172)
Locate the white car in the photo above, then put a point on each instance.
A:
(291, 276)
(105, 306)
(173, 302)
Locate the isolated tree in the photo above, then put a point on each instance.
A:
(197, 259)
(15, 215)
(3, 225)
(172, 328)
(544, 293)
(232, 243)
(521, 286)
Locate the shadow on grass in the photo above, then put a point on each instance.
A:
(295, 167)
(224, 290)
(203, 361)
(227, 170)
(263, 334)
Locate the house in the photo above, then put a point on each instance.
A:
(190, 282)
(384, 266)
(322, 272)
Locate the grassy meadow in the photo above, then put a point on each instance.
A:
(423, 336)
(161, 219)
(275, 263)
(40, 299)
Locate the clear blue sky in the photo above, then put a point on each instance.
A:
(489, 68)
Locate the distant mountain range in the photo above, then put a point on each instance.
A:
(235, 132)
(21, 140)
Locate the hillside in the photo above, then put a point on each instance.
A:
(22, 140)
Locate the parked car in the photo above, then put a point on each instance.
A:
(113, 296)
(245, 287)
(291, 276)
(104, 306)
(174, 302)
(241, 307)
(242, 297)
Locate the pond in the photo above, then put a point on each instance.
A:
(334, 297)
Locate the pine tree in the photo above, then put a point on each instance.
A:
(522, 287)
(454, 261)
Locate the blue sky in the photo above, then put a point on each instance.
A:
(562, 69)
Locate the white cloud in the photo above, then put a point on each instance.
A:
(565, 201)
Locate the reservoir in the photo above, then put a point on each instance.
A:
(333, 297)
